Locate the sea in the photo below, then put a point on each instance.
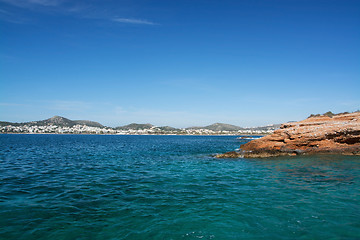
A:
(170, 187)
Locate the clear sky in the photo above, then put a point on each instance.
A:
(178, 62)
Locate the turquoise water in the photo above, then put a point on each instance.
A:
(170, 187)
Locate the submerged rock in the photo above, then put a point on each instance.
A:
(320, 134)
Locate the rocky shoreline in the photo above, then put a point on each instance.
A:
(319, 134)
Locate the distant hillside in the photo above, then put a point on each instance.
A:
(135, 126)
(274, 126)
(65, 122)
(89, 123)
(3, 124)
(56, 120)
(169, 129)
(219, 127)
(232, 128)
(223, 127)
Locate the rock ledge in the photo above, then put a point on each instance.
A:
(320, 134)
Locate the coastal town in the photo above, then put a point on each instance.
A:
(59, 125)
(83, 129)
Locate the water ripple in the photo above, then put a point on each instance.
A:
(169, 187)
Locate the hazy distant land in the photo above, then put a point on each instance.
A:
(61, 125)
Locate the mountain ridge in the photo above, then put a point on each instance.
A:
(219, 127)
(135, 126)
(65, 122)
(57, 121)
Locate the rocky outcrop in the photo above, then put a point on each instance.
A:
(319, 134)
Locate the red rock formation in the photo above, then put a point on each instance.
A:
(338, 134)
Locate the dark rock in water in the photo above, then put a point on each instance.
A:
(323, 134)
(231, 154)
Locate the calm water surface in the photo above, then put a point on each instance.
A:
(170, 187)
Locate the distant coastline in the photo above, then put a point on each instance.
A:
(61, 125)
(94, 134)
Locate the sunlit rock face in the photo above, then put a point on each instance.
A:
(320, 134)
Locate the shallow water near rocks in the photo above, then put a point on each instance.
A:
(170, 187)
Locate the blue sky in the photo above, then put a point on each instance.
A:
(178, 63)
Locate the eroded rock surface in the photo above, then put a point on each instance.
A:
(338, 134)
